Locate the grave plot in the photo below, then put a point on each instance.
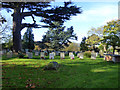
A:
(51, 56)
(62, 55)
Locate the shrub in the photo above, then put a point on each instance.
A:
(87, 54)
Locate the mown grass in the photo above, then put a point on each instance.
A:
(86, 73)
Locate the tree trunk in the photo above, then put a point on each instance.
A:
(17, 30)
(113, 50)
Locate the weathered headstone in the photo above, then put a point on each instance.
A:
(62, 55)
(51, 56)
(93, 55)
(30, 55)
(9, 54)
(36, 53)
(42, 55)
(72, 56)
(81, 56)
(52, 66)
(78, 55)
(54, 53)
(70, 53)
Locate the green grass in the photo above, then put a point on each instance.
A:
(86, 73)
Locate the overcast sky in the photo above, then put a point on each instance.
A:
(95, 14)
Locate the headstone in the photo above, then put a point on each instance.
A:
(70, 53)
(78, 55)
(9, 54)
(30, 55)
(62, 55)
(27, 53)
(93, 55)
(42, 55)
(36, 53)
(72, 56)
(51, 56)
(96, 54)
(57, 53)
(26, 50)
(54, 53)
(81, 56)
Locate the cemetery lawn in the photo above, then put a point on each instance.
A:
(86, 73)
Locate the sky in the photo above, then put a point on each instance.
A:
(95, 14)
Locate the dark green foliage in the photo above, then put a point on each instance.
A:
(39, 9)
(28, 40)
(87, 54)
(20, 55)
(83, 45)
(57, 38)
(111, 34)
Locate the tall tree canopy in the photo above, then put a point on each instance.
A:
(92, 41)
(112, 34)
(57, 37)
(83, 45)
(28, 40)
(49, 15)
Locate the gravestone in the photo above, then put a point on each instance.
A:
(36, 53)
(78, 55)
(27, 53)
(42, 55)
(81, 56)
(51, 56)
(101, 54)
(72, 56)
(54, 53)
(9, 54)
(57, 53)
(52, 66)
(70, 53)
(30, 55)
(62, 55)
(96, 54)
(93, 55)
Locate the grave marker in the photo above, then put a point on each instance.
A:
(93, 55)
(81, 56)
(42, 55)
(62, 55)
(51, 56)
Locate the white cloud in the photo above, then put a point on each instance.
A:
(96, 13)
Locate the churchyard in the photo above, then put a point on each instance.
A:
(75, 71)
(73, 52)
